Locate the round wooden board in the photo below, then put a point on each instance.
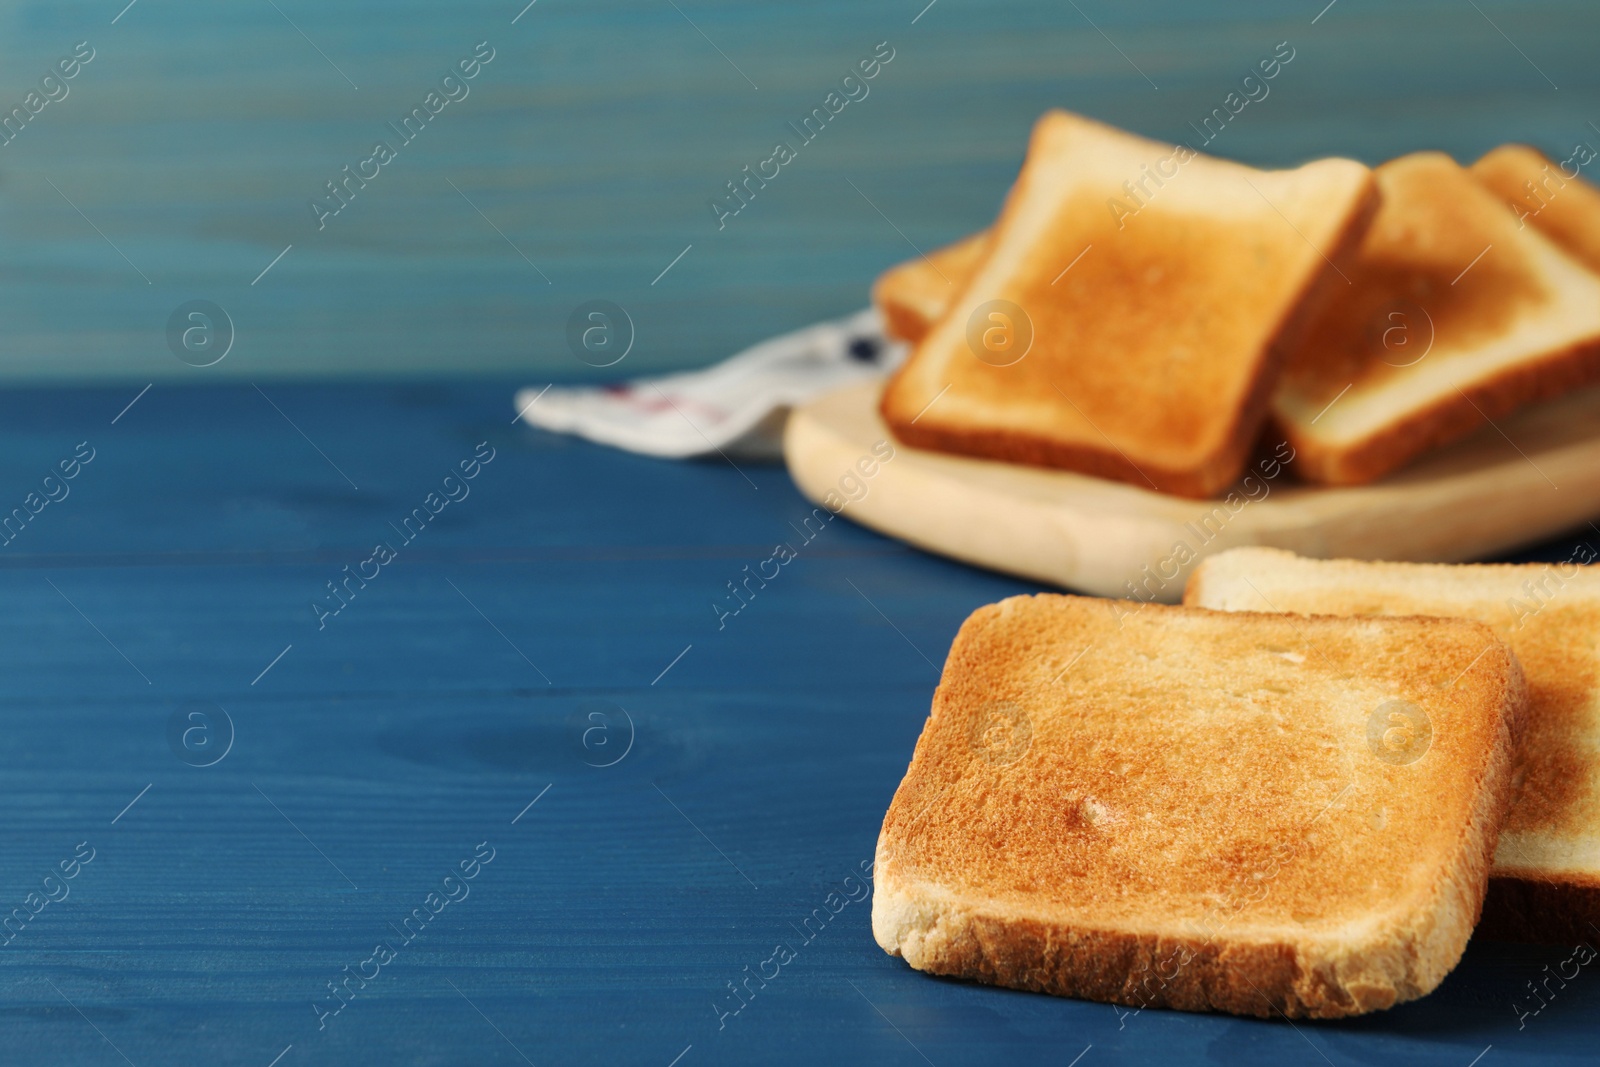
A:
(1516, 483)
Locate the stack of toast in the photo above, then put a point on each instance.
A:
(1292, 796)
(1145, 313)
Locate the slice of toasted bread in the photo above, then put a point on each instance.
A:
(1561, 205)
(1126, 321)
(1182, 808)
(1545, 884)
(1456, 316)
(912, 295)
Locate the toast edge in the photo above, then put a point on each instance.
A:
(1194, 587)
(1447, 419)
(1402, 960)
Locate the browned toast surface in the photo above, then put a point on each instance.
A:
(1175, 807)
(1456, 316)
(1123, 335)
(1546, 875)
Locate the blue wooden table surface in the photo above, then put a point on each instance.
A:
(553, 618)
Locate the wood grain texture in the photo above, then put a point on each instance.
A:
(594, 140)
(412, 727)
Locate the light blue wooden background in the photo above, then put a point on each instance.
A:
(593, 141)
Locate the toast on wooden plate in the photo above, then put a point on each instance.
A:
(1548, 195)
(1171, 807)
(912, 295)
(1545, 883)
(1129, 317)
(1456, 316)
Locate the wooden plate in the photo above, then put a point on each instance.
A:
(1518, 482)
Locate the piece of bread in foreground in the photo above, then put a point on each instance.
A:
(912, 295)
(1562, 206)
(1545, 883)
(1128, 318)
(1170, 807)
(1456, 315)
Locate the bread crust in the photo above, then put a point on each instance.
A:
(1396, 956)
(1449, 418)
(1011, 447)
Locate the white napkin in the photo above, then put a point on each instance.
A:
(737, 406)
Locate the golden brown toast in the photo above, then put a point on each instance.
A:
(1171, 807)
(1128, 319)
(1550, 196)
(912, 295)
(1456, 316)
(1545, 883)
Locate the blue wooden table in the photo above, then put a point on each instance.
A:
(271, 790)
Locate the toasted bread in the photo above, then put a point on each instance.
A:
(1165, 806)
(1563, 207)
(912, 295)
(1122, 335)
(1545, 883)
(1456, 316)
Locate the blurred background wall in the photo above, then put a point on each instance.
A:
(181, 160)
